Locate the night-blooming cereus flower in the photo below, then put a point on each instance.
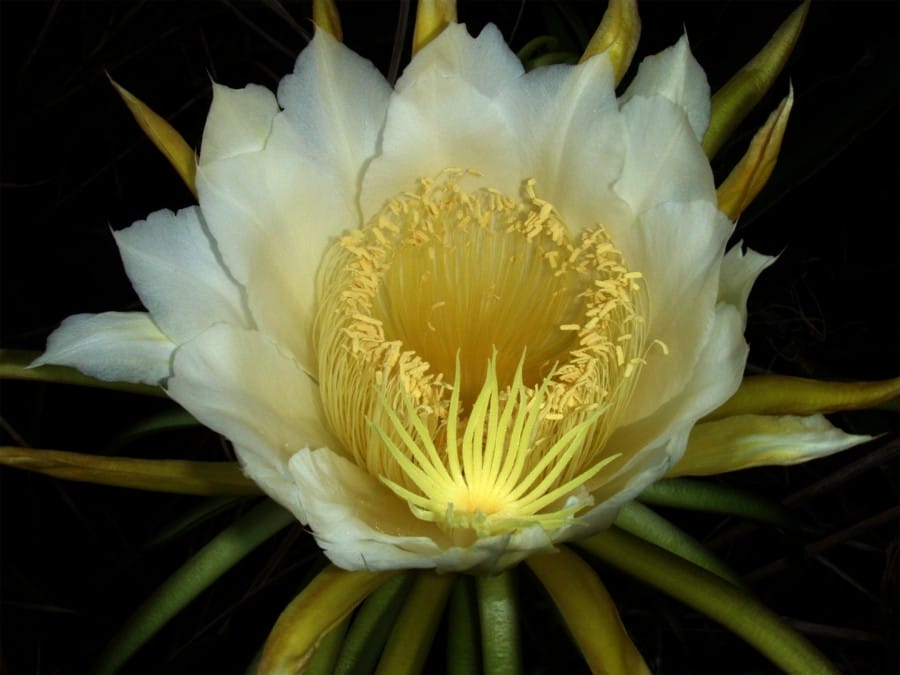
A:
(450, 324)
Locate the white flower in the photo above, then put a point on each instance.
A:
(447, 325)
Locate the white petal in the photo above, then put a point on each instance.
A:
(336, 101)
(113, 346)
(744, 441)
(740, 270)
(664, 162)
(239, 121)
(445, 114)
(675, 74)
(678, 249)
(172, 265)
(360, 524)
(713, 379)
(571, 138)
(241, 384)
(272, 215)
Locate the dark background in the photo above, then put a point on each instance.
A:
(76, 558)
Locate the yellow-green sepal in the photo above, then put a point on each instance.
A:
(738, 96)
(745, 441)
(413, 632)
(15, 364)
(325, 16)
(589, 612)
(784, 395)
(432, 17)
(168, 141)
(157, 475)
(316, 610)
(617, 35)
(750, 174)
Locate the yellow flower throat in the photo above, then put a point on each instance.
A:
(475, 356)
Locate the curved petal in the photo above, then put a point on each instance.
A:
(740, 269)
(272, 215)
(663, 161)
(336, 102)
(165, 255)
(571, 139)
(361, 524)
(113, 346)
(675, 74)
(713, 379)
(239, 121)
(424, 134)
(242, 385)
(744, 441)
(678, 249)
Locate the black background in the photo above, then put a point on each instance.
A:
(75, 559)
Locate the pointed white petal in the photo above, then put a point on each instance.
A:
(171, 263)
(113, 346)
(675, 74)
(570, 138)
(272, 215)
(664, 162)
(740, 270)
(445, 114)
(243, 385)
(678, 249)
(744, 441)
(239, 121)
(336, 102)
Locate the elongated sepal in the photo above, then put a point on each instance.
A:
(158, 475)
(718, 599)
(783, 395)
(168, 141)
(738, 96)
(702, 495)
(413, 632)
(325, 16)
(16, 364)
(750, 175)
(589, 612)
(316, 610)
(326, 654)
(196, 575)
(432, 16)
(463, 654)
(744, 441)
(617, 35)
(371, 626)
(645, 523)
(499, 619)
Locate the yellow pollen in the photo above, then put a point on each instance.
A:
(540, 331)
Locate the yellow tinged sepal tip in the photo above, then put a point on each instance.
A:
(316, 610)
(753, 171)
(326, 17)
(783, 395)
(588, 611)
(158, 475)
(732, 103)
(432, 16)
(168, 141)
(617, 35)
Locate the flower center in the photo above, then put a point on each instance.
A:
(475, 356)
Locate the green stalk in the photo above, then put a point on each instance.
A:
(410, 640)
(370, 628)
(207, 565)
(701, 495)
(643, 522)
(462, 635)
(732, 607)
(499, 624)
